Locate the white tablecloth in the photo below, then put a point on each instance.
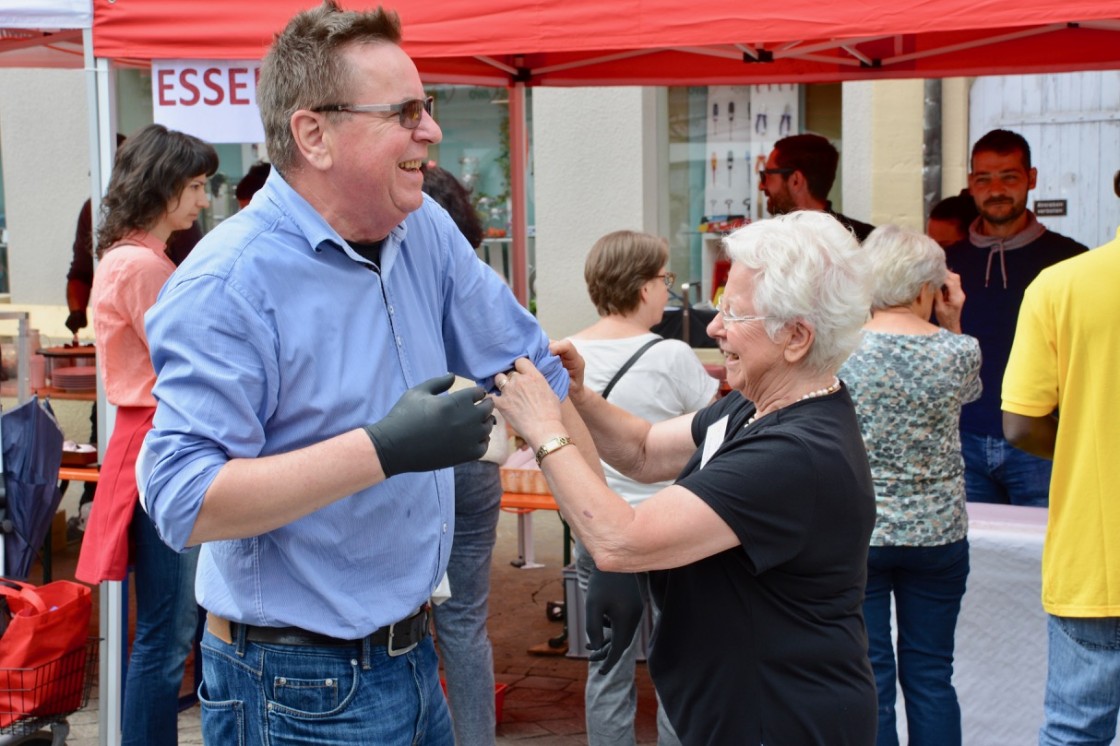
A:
(1000, 664)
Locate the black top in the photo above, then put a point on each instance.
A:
(861, 229)
(766, 643)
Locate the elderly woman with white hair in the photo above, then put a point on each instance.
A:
(909, 379)
(758, 551)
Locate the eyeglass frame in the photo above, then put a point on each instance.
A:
(729, 318)
(398, 109)
(669, 278)
(763, 173)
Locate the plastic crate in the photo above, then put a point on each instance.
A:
(524, 481)
(499, 697)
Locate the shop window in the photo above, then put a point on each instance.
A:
(719, 138)
(475, 148)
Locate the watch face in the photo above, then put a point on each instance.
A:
(550, 446)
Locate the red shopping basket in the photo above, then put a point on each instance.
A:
(43, 649)
(31, 698)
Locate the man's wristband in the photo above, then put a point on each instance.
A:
(555, 444)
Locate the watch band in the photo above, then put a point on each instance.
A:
(555, 444)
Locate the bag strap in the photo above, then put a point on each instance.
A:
(25, 591)
(626, 366)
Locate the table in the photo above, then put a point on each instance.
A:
(524, 504)
(65, 395)
(1000, 662)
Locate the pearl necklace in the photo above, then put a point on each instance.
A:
(830, 389)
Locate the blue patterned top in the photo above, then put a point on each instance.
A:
(908, 390)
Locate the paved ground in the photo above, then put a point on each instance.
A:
(544, 702)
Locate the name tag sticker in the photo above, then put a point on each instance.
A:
(713, 439)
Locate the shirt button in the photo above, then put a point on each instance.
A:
(390, 310)
(399, 342)
(445, 528)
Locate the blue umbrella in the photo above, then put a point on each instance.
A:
(31, 456)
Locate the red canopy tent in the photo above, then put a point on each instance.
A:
(661, 42)
(654, 42)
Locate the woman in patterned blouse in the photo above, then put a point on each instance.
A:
(909, 379)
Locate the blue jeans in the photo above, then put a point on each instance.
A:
(611, 700)
(1083, 681)
(997, 472)
(928, 584)
(289, 695)
(464, 646)
(166, 620)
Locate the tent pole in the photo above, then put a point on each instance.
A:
(518, 170)
(100, 98)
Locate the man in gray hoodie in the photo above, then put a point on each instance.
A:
(1006, 248)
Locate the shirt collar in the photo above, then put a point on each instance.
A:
(145, 239)
(317, 231)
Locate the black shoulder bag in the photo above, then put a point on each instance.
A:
(629, 363)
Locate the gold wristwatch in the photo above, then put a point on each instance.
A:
(555, 444)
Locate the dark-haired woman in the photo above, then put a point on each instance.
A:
(158, 186)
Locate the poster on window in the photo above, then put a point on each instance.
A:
(743, 123)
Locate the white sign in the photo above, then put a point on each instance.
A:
(215, 100)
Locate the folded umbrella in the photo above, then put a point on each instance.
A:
(31, 456)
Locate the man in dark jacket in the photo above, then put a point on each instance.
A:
(798, 176)
(1006, 249)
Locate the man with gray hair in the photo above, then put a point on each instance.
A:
(302, 434)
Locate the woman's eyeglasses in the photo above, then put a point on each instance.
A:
(410, 112)
(669, 278)
(729, 318)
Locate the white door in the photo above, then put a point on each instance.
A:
(1072, 123)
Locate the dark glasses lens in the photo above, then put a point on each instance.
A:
(412, 111)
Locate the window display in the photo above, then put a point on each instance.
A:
(719, 139)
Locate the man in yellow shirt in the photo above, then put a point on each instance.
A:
(1066, 348)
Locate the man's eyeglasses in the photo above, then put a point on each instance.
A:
(775, 171)
(669, 278)
(410, 112)
(729, 318)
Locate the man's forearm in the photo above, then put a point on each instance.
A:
(1035, 435)
(77, 295)
(250, 497)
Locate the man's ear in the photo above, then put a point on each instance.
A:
(312, 138)
(801, 336)
(1032, 178)
(798, 186)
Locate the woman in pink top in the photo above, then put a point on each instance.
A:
(158, 186)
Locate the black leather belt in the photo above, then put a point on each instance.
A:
(398, 638)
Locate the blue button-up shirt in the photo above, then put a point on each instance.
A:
(275, 335)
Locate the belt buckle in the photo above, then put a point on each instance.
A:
(393, 652)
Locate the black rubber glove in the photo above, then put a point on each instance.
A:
(614, 603)
(76, 320)
(425, 431)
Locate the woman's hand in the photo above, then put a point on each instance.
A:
(948, 303)
(528, 403)
(573, 363)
